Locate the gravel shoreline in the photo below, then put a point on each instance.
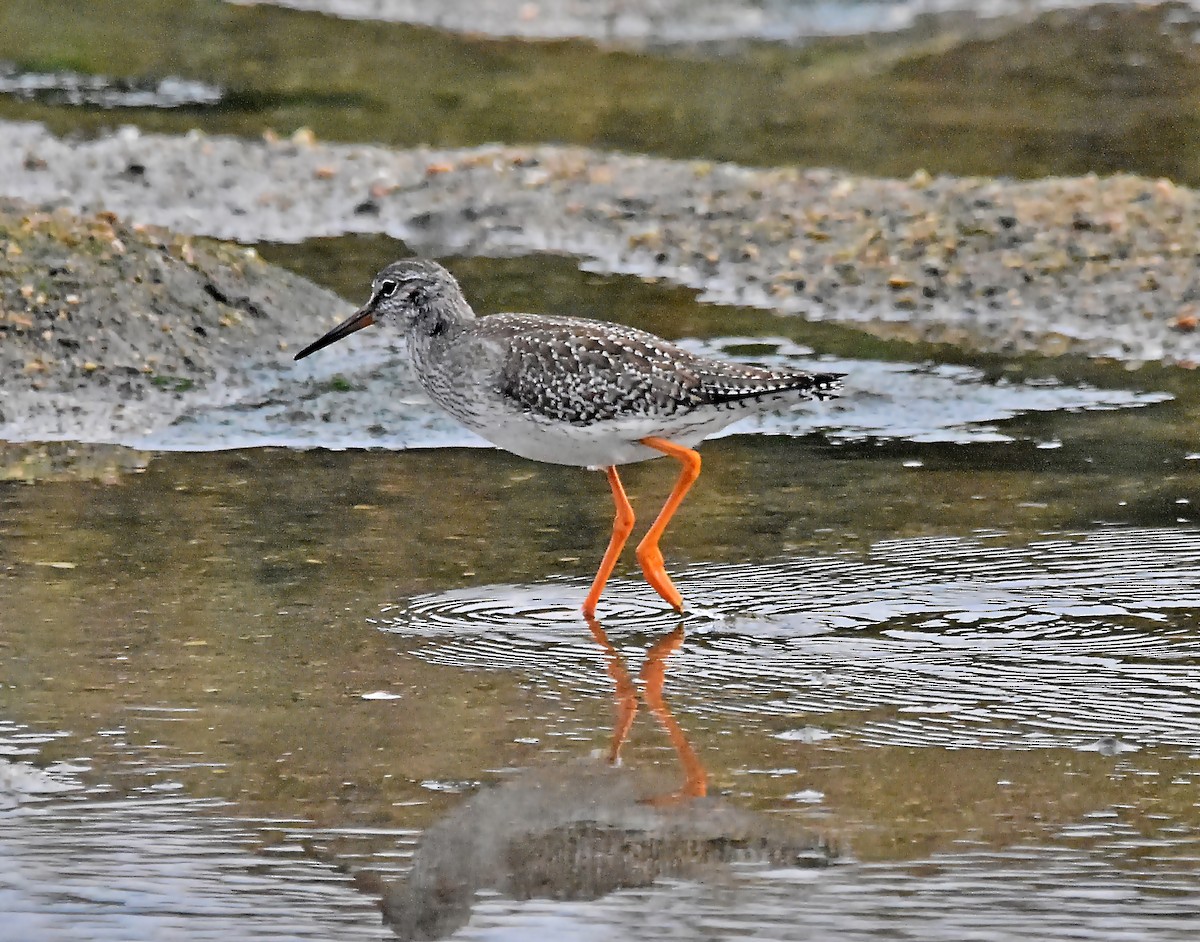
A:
(118, 317)
(1094, 266)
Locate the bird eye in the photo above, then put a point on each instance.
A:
(387, 288)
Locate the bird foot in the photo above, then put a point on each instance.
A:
(655, 571)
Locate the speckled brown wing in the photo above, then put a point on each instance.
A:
(581, 371)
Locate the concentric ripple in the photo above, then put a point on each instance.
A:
(952, 642)
(549, 609)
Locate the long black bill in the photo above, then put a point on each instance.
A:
(363, 317)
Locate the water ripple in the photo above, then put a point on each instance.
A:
(1046, 893)
(948, 642)
(77, 861)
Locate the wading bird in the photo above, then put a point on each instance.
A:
(572, 391)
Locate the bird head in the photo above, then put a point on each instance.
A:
(401, 294)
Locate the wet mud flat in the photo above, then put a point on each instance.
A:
(1098, 266)
(1092, 266)
(198, 357)
(103, 326)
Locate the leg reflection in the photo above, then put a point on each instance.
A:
(653, 677)
(654, 671)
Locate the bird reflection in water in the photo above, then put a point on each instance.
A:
(654, 675)
(584, 829)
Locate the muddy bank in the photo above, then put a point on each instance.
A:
(109, 329)
(1095, 266)
(161, 342)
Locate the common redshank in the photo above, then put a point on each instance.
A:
(572, 391)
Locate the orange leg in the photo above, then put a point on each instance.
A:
(648, 553)
(622, 527)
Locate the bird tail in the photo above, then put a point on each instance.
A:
(826, 385)
(807, 385)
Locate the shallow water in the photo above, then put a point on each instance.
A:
(938, 678)
(955, 648)
(1011, 715)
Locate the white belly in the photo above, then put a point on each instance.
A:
(603, 443)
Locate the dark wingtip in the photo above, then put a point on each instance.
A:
(806, 385)
(827, 385)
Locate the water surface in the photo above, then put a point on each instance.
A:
(953, 648)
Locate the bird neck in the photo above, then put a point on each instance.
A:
(441, 319)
